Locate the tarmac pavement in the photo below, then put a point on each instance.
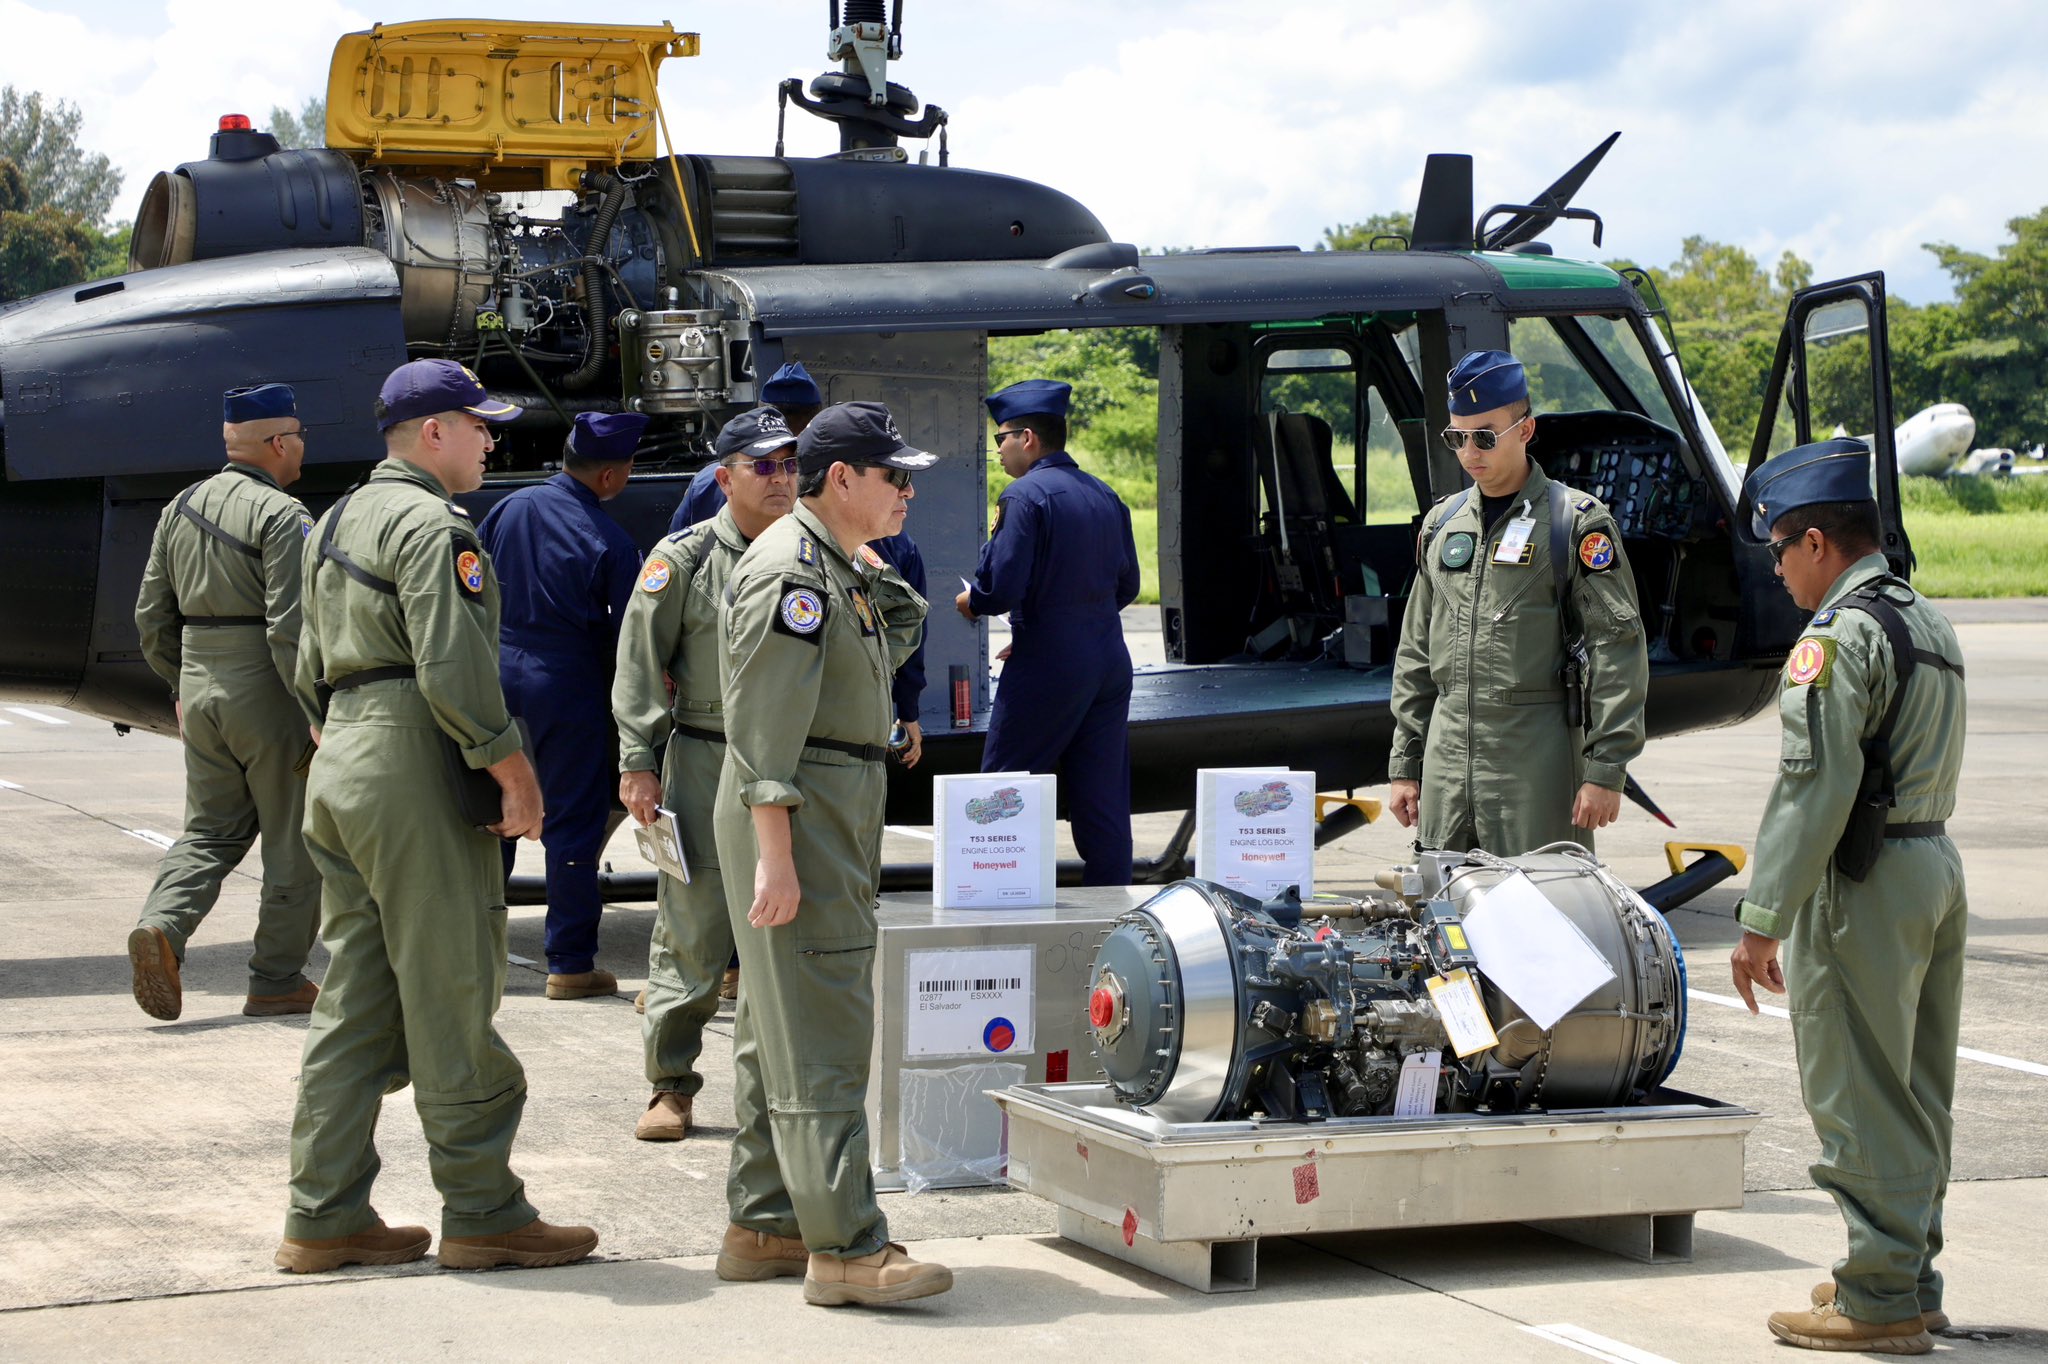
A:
(143, 1164)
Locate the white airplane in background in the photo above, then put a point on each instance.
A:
(1932, 439)
(2001, 462)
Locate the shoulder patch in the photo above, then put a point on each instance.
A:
(469, 571)
(997, 524)
(305, 525)
(868, 556)
(655, 574)
(1812, 662)
(1596, 551)
(801, 611)
(862, 610)
(1824, 617)
(1583, 504)
(806, 552)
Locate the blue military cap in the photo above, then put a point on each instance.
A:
(258, 403)
(857, 433)
(1485, 380)
(424, 388)
(1030, 398)
(1835, 470)
(606, 435)
(792, 384)
(754, 433)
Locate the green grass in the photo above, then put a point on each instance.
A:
(1962, 554)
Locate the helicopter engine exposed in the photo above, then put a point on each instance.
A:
(1209, 1006)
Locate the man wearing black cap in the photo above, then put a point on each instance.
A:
(398, 667)
(567, 569)
(791, 392)
(1061, 561)
(1505, 738)
(219, 618)
(671, 638)
(810, 649)
(1856, 875)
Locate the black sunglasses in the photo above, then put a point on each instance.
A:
(898, 478)
(1485, 438)
(1778, 547)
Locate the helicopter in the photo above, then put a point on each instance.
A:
(1298, 390)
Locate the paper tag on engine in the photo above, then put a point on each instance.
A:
(1416, 1095)
(1463, 1012)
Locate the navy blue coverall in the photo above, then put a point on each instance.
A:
(1062, 563)
(566, 570)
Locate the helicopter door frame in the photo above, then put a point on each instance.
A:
(1787, 386)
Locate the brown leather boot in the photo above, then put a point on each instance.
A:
(667, 1117)
(157, 988)
(582, 985)
(640, 1001)
(750, 1256)
(1824, 1293)
(888, 1275)
(534, 1246)
(1826, 1328)
(299, 1001)
(729, 988)
(378, 1245)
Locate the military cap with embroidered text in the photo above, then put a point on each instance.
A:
(756, 432)
(857, 433)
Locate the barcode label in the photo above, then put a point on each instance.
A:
(948, 987)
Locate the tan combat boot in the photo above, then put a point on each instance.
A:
(299, 1001)
(888, 1275)
(1824, 1294)
(582, 985)
(157, 988)
(729, 987)
(378, 1245)
(1826, 1328)
(640, 1001)
(750, 1256)
(667, 1117)
(534, 1246)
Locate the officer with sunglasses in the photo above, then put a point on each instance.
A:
(670, 748)
(1489, 751)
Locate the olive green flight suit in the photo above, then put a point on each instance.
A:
(1478, 696)
(1873, 968)
(671, 627)
(413, 898)
(813, 639)
(220, 623)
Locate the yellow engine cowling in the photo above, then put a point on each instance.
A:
(510, 105)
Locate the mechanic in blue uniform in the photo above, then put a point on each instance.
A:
(1060, 559)
(567, 570)
(794, 393)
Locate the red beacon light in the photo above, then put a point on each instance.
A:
(234, 123)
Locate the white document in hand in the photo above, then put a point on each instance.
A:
(1531, 952)
(662, 844)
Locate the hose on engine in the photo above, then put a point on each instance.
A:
(596, 301)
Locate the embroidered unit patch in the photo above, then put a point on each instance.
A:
(1596, 552)
(1457, 550)
(1812, 662)
(869, 557)
(469, 571)
(802, 611)
(654, 577)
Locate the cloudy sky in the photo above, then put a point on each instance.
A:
(1849, 133)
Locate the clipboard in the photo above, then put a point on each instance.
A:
(661, 843)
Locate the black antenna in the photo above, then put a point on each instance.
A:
(1443, 211)
(1548, 206)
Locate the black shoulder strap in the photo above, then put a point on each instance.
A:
(1451, 508)
(1873, 604)
(232, 542)
(348, 565)
(1560, 542)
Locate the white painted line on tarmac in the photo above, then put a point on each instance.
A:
(36, 715)
(5, 723)
(1965, 1053)
(151, 836)
(10, 786)
(1598, 1346)
(1731, 1002)
(515, 959)
(1989, 1059)
(909, 832)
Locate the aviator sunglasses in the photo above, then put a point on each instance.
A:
(769, 468)
(1485, 437)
